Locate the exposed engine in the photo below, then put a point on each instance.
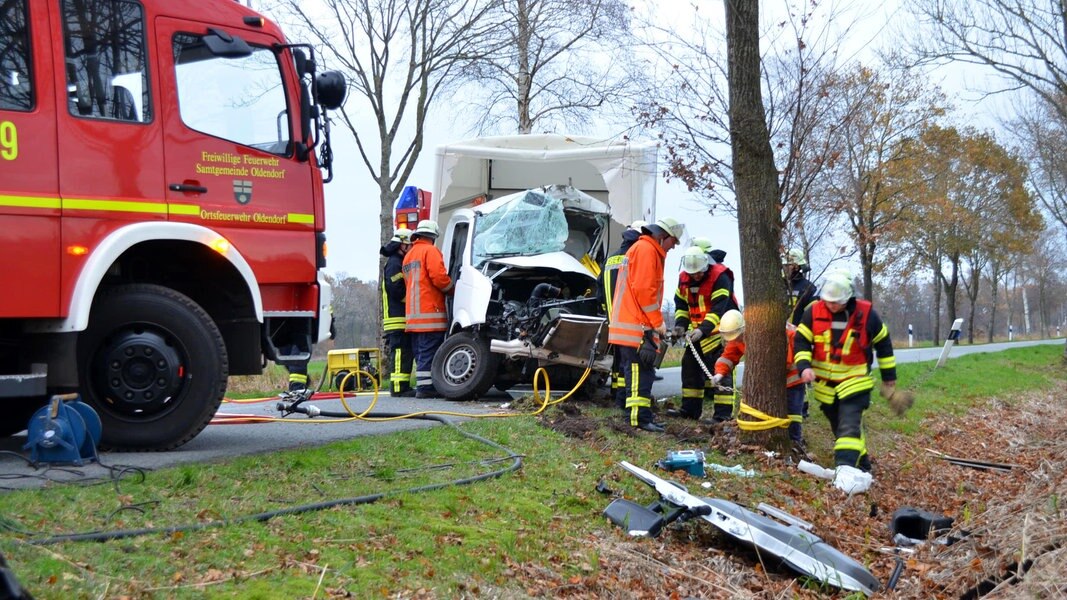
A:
(511, 318)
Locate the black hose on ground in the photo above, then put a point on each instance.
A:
(102, 536)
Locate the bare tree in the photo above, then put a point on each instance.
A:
(1042, 132)
(552, 63)
(399, 55)
(758, 215)
(1024, 41)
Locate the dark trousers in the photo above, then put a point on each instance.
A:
(637, 386)
(425, 345)
(618, 382)
(794, 402)
(696, 387)
(846, 421)
(399, 359)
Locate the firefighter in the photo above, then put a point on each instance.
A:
(801, 290)
(700, 302)
(394, 322)
(732, 329)
(605, 290)
(835, 344)
(636, 327)
(427, 282)
(691, 301)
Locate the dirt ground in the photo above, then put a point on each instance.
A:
(1010, 526)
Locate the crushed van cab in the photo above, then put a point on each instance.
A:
(525, 267)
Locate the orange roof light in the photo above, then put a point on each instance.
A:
(220, 245)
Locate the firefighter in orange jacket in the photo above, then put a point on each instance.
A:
(606, 291)
(427, 282)
(835, 345)
(636, 327)
(732, 329)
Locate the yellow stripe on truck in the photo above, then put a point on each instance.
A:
(29, 202)
(304, 219)
(115, 205)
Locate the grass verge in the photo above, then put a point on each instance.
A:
(457, 541)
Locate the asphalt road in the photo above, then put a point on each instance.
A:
(221, 441)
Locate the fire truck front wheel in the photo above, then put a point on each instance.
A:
(153, 365)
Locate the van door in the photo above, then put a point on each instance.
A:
(29, 189)
(231, 162)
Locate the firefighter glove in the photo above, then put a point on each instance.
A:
(717, 378)
(695, 335)
(899, 400)
(679, 331)
(648, 351)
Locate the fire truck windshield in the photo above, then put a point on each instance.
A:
(240, 99)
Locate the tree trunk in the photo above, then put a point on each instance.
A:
(937, 303)
(758, 219)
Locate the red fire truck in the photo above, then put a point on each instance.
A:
(161, 208)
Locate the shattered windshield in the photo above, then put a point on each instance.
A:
(533, 223)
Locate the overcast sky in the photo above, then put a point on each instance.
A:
(352, 197)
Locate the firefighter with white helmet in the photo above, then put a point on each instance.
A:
(427, 282)
(801, 291)
(636, 327)
(606, 290)
(849, 334)
(704, 294)
(394, 321)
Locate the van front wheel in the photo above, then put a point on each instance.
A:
(463, 367)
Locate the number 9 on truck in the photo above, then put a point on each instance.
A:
(9, 141)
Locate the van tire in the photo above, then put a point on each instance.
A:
(153, 365)
(463, 367)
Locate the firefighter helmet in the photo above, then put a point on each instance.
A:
(694, 260)
(637, 225)
(732, 325)
(666, 225)
(402, 235)
(837, 287)
(795, 256)
(703, 243)
(426, 228)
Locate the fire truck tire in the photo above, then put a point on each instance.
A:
(463, 367)
(153, 365)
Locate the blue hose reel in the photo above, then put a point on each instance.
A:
(65, 431)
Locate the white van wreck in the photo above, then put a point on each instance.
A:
(525, 258)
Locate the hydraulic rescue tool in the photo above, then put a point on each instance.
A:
(797, 547)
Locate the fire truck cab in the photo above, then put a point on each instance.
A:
(161, 208)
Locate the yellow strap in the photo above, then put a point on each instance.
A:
(763, 421)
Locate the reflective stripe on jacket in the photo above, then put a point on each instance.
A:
(427, 283)
(692, 299)
(638, 293)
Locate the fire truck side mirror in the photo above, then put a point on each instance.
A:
(224, 45)
(303, 65)
(330, 89)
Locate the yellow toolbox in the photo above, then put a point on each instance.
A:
(339, 363)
